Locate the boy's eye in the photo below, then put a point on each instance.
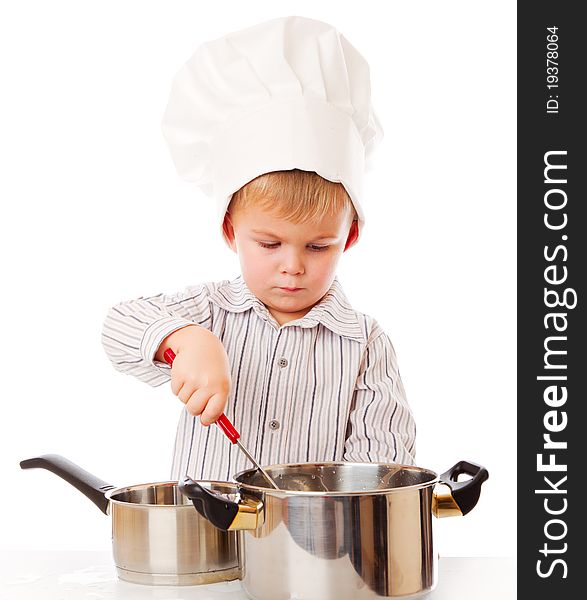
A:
(274, 245)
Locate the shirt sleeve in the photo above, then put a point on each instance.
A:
(133, 330)
(381, 424)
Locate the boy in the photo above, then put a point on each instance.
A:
(277, 132)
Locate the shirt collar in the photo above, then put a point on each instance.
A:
(334, 311)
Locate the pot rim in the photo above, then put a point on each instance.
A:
(170, 483)
(434, 478)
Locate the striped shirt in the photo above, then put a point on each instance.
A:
(324, 387)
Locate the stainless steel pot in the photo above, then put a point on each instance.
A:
(157, 536)
(340, 530)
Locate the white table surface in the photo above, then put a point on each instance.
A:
(92, 576)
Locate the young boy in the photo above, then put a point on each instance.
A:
(275, 121)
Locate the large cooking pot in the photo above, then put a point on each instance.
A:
(339, 530)
(157, 536)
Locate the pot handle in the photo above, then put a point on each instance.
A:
(462, 495)
(89, 485)
(223, 513)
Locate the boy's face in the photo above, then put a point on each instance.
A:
(288, 266)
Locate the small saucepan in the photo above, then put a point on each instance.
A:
(157, 536)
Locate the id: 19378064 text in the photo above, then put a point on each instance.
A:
(552, 68)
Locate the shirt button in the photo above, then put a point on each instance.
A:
(282, 362)
(273, 424)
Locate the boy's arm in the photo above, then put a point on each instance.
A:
(134, 330)
(381, 424)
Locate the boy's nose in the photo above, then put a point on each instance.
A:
(292, 265)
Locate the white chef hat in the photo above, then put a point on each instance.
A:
(290, 93)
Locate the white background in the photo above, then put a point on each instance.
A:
(94, 213)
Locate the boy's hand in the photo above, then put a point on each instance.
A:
(200, 376)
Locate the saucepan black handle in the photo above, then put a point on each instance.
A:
(217, 509)
(89, 485)
(465, 493)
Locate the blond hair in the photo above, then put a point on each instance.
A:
(296, 196)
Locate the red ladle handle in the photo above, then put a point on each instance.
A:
(227, 427)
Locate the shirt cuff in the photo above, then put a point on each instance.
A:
(156, 332)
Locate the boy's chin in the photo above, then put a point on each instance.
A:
(289, 306)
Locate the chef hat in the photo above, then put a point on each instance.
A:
(290, 93)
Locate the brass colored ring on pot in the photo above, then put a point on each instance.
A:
(443, 503)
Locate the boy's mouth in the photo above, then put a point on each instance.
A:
(290, 289)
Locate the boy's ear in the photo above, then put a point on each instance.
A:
(353, 236)
(228, 230)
